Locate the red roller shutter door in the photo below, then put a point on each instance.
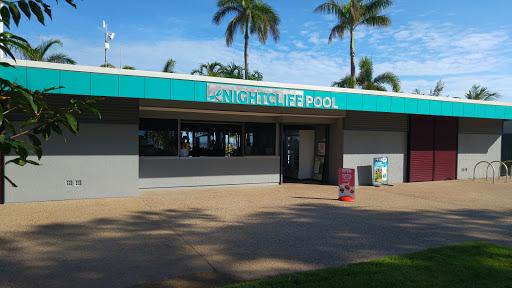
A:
(421, 163)
(445, 157)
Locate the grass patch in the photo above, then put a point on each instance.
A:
(473, 264)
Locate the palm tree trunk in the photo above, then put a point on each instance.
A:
(352, 61)
(246, 52)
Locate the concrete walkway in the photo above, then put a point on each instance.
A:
(246, 232)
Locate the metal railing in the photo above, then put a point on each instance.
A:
(499, 171)
(509, 172)
(486, 175)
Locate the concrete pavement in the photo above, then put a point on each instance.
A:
(246, 232)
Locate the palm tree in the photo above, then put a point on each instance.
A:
(256, 76)
(237, 72)
(108, 65)
(40, 53)
(478, 92)
(232, 71)
(351, 15)
(213, 69)
(169, 66)
(437, 91)
(365, 78)
(252, 17)
(127, 67)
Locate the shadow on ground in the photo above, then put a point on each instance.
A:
(117, 252)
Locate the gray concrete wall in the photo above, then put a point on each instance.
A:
(360, 147)
(103, 156)
(507, 127)
(174, 172)
(474, 148)
(335, 151)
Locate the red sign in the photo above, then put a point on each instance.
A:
(347, 183)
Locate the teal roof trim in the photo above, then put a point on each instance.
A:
(111, 85)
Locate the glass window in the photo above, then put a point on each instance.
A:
(210, 139)
(260, 138)
(158, 137)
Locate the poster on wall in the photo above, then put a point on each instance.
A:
(380, 171)
(321, 149)
(318, 168)
(346, 184)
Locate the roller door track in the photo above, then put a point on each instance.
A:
(433, 148)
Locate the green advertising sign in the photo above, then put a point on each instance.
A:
(380, 170)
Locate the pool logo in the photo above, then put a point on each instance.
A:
(216, 98)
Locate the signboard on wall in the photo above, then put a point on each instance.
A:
(346, 184)
(380, 171)
(238, 94)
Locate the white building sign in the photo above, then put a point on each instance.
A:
(237, 94)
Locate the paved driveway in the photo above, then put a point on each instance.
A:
(247, 232)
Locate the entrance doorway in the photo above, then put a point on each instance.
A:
(302, 161)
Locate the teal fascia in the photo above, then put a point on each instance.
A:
(411, 106)
(157, 88)
(423, 107)
(369, 102)
(458, 109)
(40, 79)
(447, 109)
(182, 90)
(508, 113)
(95, 84)
(500, 112)
(355, 102)
(131, 87)
(469, 110)
(479, 111)
(16, 75)
(490, 111)
(75, 83)
(397, 105)
(383, 104)
(340, 99)
(200, 91)
(436, 108)
(104, 85)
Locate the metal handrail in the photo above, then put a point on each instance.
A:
(499, 173)
(493, 171)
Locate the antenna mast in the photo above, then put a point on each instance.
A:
(108, 36)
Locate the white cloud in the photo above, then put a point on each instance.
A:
(299, 44)
(276, 64)
(457, 86)
(422, 49)
(420, 54)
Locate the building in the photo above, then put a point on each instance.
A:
(165, 131)
(506, 145)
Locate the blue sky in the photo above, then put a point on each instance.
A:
(461, 42)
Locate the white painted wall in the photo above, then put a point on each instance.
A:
(474, 148)
(306, 153)
(103, 156)
(174, 172)
(360, 147)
